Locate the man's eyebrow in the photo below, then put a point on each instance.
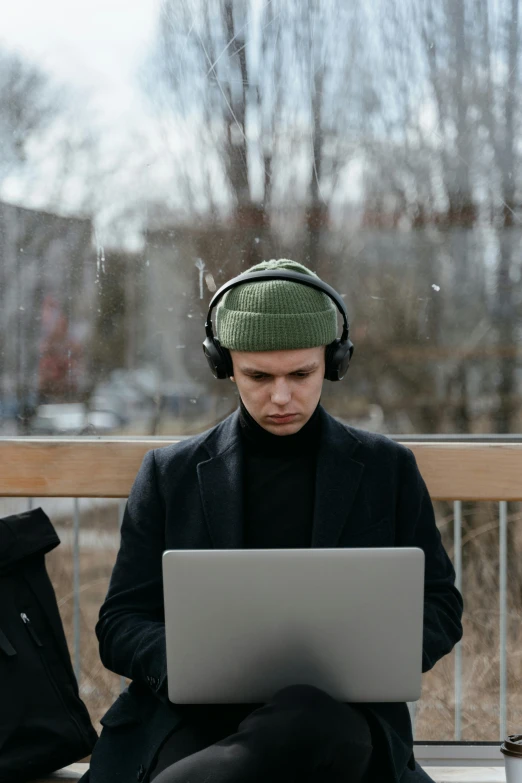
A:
(304, 368)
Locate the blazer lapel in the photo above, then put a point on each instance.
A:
(337, 480)
(221, 485)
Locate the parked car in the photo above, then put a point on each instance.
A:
(73, 419)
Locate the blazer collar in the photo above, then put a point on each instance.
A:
(221, 482)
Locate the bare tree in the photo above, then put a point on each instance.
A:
(448, 104)
(29, 105)
(508, 165)
(279, 141)
(281, 98)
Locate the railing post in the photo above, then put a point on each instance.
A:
(121, 510)
(76, 588)
(457, 544)
(412, 707)
(503, 613)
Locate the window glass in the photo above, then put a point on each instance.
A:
(151, 151)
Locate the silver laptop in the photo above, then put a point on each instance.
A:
(241, 624)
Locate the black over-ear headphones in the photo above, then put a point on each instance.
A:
(338, 353)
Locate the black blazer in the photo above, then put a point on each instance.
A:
(188, 495)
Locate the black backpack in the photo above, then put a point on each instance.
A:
(44, 725)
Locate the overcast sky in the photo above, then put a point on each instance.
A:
(96, 48)
(95, 43)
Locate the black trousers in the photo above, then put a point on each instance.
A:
(302, 735)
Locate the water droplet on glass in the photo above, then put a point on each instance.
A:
(194, 401)
(170, 309)
(435, 287)
(200, 264)
(22, 308)
(147, 263)
(211, 283)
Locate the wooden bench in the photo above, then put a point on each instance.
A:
(105, 468)
(66, 775)
(439, 774)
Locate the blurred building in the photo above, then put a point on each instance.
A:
(48, 273)
(426, 304)
(185, 264)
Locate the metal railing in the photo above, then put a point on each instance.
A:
(457, 516)
(473, 473)
(457, 509)
(76, 652)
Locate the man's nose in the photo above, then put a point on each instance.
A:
(280, 392)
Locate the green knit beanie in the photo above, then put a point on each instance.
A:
(272, 315)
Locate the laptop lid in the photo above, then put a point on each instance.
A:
(242, 624)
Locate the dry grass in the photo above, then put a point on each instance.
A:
(435, 713)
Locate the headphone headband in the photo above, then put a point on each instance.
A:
(276, 274)
(338, 353)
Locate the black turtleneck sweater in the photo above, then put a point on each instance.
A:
(279, 483)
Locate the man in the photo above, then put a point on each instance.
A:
(278, 472)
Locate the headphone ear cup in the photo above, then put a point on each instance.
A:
(218, 358)
(337, 359)
(227, 359)
(328, 358)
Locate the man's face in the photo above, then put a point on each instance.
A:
(277, 383)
